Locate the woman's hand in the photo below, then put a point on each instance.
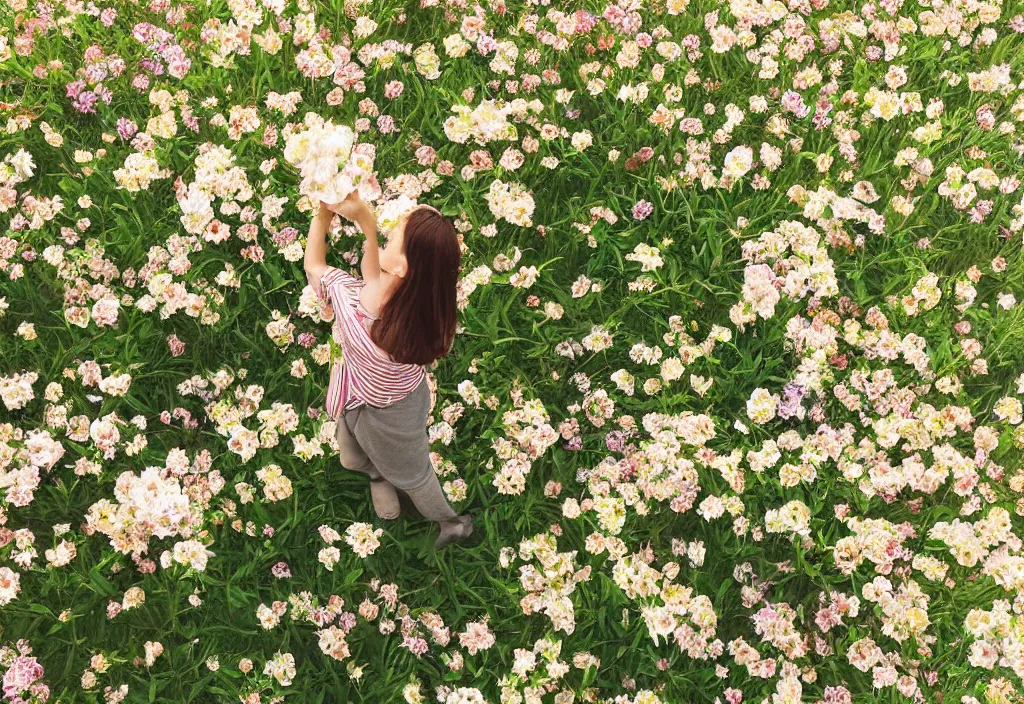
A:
(352, 208)
(358, 211)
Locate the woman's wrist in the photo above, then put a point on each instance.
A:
(368, 223)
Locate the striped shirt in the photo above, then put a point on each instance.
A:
(366, 374)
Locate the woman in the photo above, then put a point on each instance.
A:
(392, 323)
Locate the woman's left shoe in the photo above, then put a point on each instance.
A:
(385, 499)
(458, 528)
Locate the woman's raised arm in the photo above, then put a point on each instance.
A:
(315, 260)
(358, 211)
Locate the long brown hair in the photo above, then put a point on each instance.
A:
(417, 324)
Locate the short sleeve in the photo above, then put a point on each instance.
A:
(334, 281)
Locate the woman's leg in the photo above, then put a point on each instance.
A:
(352, 457)
(350, 454)
(432, 504)
(395, 439)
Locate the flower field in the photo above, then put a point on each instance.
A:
(735, 398)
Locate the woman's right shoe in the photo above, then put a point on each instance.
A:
(458, 528)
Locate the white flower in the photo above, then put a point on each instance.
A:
(511, 202)
(465, 695)
(363, 539)
(648, 256)
(793, 517)
(761, 406)
(392, 211)
(282, 668)
(738, 162)
(191, 553)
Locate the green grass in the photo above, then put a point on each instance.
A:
(511, 346)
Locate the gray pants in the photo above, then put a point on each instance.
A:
(391, 442)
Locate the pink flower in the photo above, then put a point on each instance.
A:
(126, 129)
(21, 675)
(426, 156)
(642, 210)
(105, 311)
(177, 347)
(733, 695)
(253, 253)
(416, 645)
(985, 117)
(476, 637)
(837, 695)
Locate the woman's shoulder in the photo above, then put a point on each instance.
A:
(334, 274)
(339, 277)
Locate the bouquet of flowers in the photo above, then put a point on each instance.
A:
(330, 162)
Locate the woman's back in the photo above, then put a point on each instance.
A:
(367, 374)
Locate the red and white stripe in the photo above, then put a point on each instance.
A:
(366, 374)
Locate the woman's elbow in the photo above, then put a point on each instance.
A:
(314, 270)
(313, 274)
